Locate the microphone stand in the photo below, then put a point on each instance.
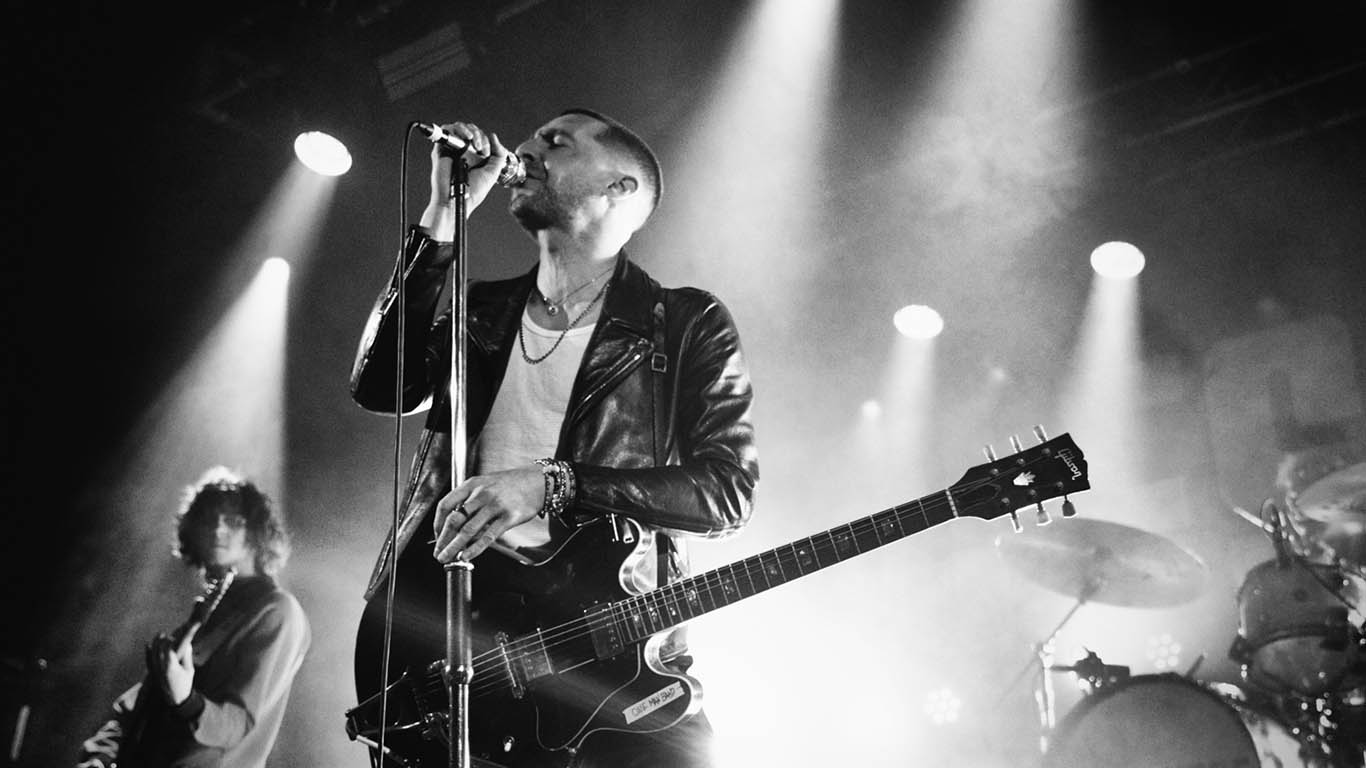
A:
(459, 669)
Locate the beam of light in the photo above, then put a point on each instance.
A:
(761, 126)
(917, 321)
(985, 139)
(224, 407)
(1117, 259)
(1102, 403)
(887, 448)
(289, 223)
(750, 233)
(322, 153)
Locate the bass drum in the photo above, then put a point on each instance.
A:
(1160, 721)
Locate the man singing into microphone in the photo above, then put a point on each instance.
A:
(608, 418)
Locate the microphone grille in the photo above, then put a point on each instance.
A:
(513, 173)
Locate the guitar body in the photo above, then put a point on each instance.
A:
(535, 697)
(152, 739)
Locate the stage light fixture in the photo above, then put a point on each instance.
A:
(943, 706)
(917, 321)
(1164, 652)
(275, 269)
(871, 410)
(1117, 259)
(322, 153)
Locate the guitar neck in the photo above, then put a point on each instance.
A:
(643, 615)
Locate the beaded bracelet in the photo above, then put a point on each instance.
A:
(560, 486)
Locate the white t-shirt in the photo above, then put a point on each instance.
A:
(529, 409)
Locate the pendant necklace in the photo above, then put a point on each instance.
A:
(521, 327)
(553, 308)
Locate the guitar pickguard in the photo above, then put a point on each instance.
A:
(536, 697)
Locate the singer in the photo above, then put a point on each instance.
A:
(609, 421)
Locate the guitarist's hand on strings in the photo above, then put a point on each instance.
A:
(479, 510)
(172, 664)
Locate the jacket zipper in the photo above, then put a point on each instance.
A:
(615, 375)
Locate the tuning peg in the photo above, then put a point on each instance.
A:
(1040, 434)
(1015, 522)
(989, 451)
(1068, 508)
(1015, 443)
(1042, 515)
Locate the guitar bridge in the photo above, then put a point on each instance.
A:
(518, 689)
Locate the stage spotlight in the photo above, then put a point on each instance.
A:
(917, 321)
(275, 269)
(1117, 259)
(322, 153)
(871, 410)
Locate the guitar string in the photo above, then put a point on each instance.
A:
(676, 593)
(621, 611)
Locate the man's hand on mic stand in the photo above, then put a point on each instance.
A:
(484, 154)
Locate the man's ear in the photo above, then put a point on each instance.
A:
(623, 187)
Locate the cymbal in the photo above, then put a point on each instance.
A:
(1103, 562)
(1338, 497)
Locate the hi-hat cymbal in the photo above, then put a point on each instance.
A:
(1339, 497)
(1103, 562)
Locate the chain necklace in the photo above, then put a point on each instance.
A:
(552, 308)
(521, 328)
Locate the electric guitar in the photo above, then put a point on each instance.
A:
(575, 650)
(144, 739)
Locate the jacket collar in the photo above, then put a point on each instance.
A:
(496, 309)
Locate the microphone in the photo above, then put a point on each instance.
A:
(513, 171)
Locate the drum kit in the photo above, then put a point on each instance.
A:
(1301, 700)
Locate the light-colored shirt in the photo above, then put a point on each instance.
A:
(529, 409)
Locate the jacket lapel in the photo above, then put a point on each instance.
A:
(620, 341)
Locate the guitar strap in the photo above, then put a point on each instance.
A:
(663, 418)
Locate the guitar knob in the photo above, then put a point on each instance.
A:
(1068, 508)
(1015, 522)
(1042, 515)
(1015, 443)
(989, 451)
(1040, 434)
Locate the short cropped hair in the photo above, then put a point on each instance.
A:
(622, 139)
(219, 491)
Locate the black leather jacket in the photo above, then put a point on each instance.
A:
(659, 435)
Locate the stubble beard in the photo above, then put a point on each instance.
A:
(544, 208)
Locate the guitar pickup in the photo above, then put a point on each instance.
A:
(607, 638)
(528, 661)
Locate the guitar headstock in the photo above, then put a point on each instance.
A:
(216, 583)
(1026, 478)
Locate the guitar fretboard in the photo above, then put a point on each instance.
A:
(640, 616)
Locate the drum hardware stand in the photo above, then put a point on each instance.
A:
(1042, 664)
